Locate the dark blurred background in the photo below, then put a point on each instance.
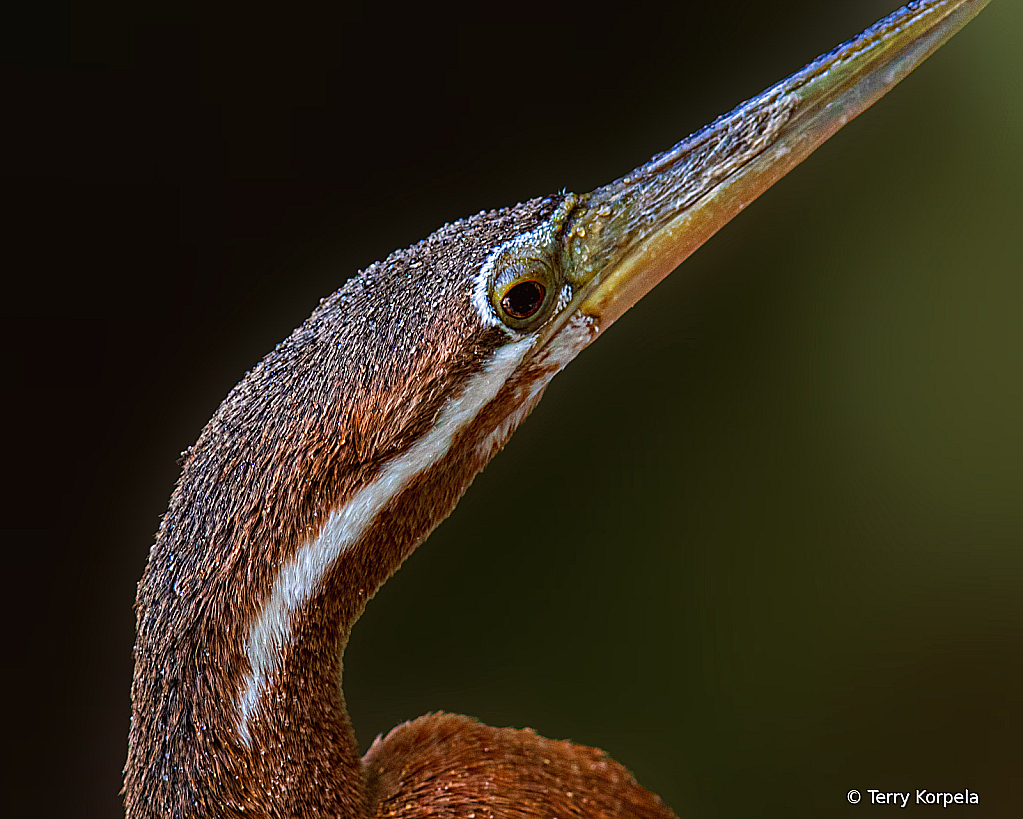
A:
(777, 545)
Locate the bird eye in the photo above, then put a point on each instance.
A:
(524, 299)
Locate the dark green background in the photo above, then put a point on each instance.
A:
(762, 542)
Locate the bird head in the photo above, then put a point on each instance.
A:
(338, 453)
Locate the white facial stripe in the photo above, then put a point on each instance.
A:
(481, 286)
(569, 341)
(481, 294)
(300, 577)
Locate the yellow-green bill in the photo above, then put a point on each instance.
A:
(625, 237)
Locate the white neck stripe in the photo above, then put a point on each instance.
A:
(304, 571)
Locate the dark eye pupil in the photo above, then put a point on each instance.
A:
(524, 299)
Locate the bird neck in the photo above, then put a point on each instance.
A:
(276, 537)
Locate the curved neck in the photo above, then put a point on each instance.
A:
(271, 548)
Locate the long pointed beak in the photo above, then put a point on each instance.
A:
(623, 238)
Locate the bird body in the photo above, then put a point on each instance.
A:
(339, 453)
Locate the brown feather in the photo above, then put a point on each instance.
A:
(452, 767)
(352, 388)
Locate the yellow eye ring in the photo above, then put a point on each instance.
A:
(523, 299)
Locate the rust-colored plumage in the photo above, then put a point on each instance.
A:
(353, 388)
(440, 764)
(345, 447)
